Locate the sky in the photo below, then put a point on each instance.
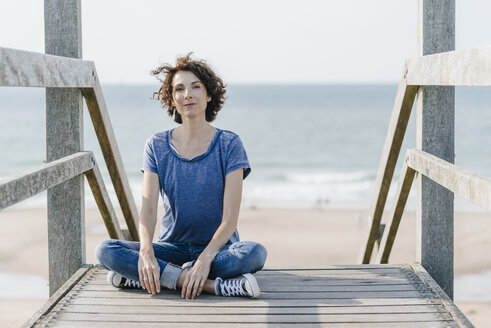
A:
(248, 42)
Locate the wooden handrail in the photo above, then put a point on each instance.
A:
(29, 183)
(19, 68)
(29, 69)
(463, 68)
(470, 186)
(471, 67)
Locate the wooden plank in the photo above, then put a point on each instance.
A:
(343, 267)
(435, 134)
(103, 201)
(210, 301)
(255, 318)
(107, 141)
(31, 182)
(238, 310)
(57, 296)
(404, 187)
(312, 283)
(268, 287)
(446, 301)
(389, 270)
(172, 295)
(471, 67)
(19, 68)
(468, 185)
(327, 280)
(329, 307)
(419, 324)
(393, 141)
(346, 272)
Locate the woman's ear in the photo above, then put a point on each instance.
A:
(208, 99)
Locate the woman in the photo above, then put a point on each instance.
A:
(198, 170)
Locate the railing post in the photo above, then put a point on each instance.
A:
(64, 136)
(435, 135)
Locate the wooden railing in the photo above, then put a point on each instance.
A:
(455, 68)
(28, 69)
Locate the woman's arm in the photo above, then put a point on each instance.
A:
(197, 276)
(147, 264)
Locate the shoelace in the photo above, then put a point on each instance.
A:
(132, 283)
(232, 287)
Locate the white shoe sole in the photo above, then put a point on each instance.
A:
(255, 291)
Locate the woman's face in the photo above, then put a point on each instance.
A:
(189, 95)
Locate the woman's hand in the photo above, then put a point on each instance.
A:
(195, 279)
(149, 271)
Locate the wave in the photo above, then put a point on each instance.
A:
(328, 177)
(290, 189)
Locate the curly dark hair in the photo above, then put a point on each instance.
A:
(214, 85)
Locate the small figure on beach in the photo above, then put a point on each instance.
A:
(198, 170)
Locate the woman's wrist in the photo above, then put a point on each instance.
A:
(207, 257)
(146, 249)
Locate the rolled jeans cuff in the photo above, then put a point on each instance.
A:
(188, 265)
(169, 276)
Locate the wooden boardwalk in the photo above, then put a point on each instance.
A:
(332, 296)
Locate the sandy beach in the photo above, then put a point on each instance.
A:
(292, 236)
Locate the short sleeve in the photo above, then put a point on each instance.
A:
(149, 162)
(237, 158)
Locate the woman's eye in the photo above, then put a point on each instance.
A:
(179, 89)
(196, 86)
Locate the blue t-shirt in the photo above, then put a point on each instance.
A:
(192, 189)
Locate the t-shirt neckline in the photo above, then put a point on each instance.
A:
(196, 158)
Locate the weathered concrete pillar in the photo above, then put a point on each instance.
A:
(435, 135)
(64, 136)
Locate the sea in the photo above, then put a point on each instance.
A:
(309, 146)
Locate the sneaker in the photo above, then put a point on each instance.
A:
(118, 281)
(244, 285)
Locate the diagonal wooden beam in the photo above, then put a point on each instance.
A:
(403, 188)
(107, 141)
(103, 201)
(393, 141)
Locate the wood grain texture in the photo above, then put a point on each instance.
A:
(110, 150)
(20, 68)
(31, 182)
(468, 185)
(57, 296)
(435, 134)
(402, 192)
(390, 153)
(470, 67)
(285, 301)
(64, 136)
(103, 201)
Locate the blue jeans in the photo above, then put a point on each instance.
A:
(232, 260)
